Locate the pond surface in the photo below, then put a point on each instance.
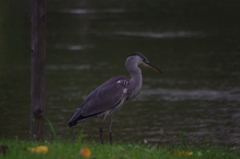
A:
(195, 43)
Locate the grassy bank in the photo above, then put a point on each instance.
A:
(62, 149)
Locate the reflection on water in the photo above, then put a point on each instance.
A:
(67, 68)
(90, 11)
(195, 45)
(73, 47)
(179, 95)
(161, 35)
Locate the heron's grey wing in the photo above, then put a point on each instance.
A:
(104, 98)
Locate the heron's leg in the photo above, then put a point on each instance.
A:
(101, 128)
(110, 129)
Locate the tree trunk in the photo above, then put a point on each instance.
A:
(38, 20)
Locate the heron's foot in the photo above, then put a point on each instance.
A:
(110, 136)
(100, 132)
(102, 140)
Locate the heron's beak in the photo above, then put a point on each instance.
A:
(153, 67)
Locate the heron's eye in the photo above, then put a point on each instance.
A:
(145, 61)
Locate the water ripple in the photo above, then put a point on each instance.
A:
(67, 67)
(179, 34)
(91, 11)
(179, 95)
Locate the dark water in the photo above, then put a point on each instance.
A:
(195, 43)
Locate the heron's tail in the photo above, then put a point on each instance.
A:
(76, 116)
(70, 124)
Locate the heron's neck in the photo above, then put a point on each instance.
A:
(135, 72)
(136, 78)
(135, 82)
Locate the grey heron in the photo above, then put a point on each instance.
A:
(110, 96)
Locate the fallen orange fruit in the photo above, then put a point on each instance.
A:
(86, 152)
(187, 153)
(39, 149)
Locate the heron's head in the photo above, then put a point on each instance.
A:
(138, 58)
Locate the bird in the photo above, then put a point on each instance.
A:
(111, 95)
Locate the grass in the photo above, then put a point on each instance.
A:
(65, 149)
